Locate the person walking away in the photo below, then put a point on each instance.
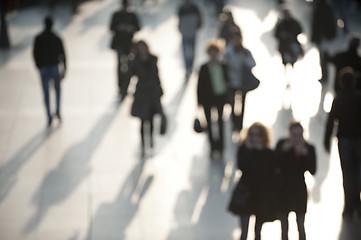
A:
(190, 21)
(286, 32)
(212, 94)
(49, 56)
(256, 186)
(236, 58)
(348, 58)
(346, 111)
(148, 91)
(228, 26)
(294, 156)
(324, 29)
(124, 24)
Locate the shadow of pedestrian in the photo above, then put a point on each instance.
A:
(59, 183)
(9, 171)
(112, 219)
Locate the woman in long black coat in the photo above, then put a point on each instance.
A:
(295, 156)
(212, 93)
(256, 187)
(148, 89)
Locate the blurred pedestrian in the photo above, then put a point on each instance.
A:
(295, 156)
(49, 56)
(342, 10)
(324, 29)
(124, 24)
(286, 32)
(237, 57)
(346, 112)
(148, 91)
(253, 194)
(228, 26)
(212, 94)
(348, 58)
(190, 21)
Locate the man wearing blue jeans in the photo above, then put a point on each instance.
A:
(346, 110)
(49, 54)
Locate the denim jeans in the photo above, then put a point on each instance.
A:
(48, 74)
(350, 156)
(188, 45)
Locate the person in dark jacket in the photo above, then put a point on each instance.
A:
(286, 32)
(148, 91)
(294, 156)
(49, 56)
(212, 93)
(348, 58)
(256, 161)
(324, 29)
(190, 21)
(124, 24)
(346, 110)
(228, 26)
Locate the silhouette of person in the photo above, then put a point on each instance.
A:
(148, 91)
(228, 26)
(346, 110)
(212, 93)
(124, 24)
(190, 21)
(49, 56)
(342, 9)
(286, 32)
(324, 29)
(294, 156)
(256, 161)
(348, 58)
(236, 57)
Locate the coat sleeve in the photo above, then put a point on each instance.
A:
(200, 87)
(329, 126)
(36, 52)
(311, 159)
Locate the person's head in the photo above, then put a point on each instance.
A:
(141, 48)
(235, 37)
(354, 42)
(258, 134)
(286, 13)
(295, 131)
(125, 4)
(48, 22)
(213, 49)
(347, 77)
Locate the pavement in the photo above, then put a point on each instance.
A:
(84, 178)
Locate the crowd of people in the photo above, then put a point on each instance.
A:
(272, 183)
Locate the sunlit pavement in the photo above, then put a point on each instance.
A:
(85, 179)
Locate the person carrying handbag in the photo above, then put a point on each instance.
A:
(239, 61)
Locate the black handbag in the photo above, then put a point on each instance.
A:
(249, 81)
(197, 126)
(239, 200)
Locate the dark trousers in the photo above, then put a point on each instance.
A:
(350, 157)
(123, 72)
(146, 125)
(236, 97)
(188, 47)
(300, 218)
(48, 74)
(216, 143)
(244, 221)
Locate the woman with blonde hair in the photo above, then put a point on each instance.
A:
(253, 193)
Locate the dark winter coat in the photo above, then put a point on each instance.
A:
(324, 23)
(291, 186)
(123, 39)
(205, 94)
(349, 58)
(148, 88)
(258, 169)
(48, 49)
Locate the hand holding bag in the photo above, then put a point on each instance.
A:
(240, 199)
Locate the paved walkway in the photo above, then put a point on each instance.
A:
(85, 179)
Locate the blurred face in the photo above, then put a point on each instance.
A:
(296, 135)
(213, 53)
(236, 41)
(255, 136)
(142, 49)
